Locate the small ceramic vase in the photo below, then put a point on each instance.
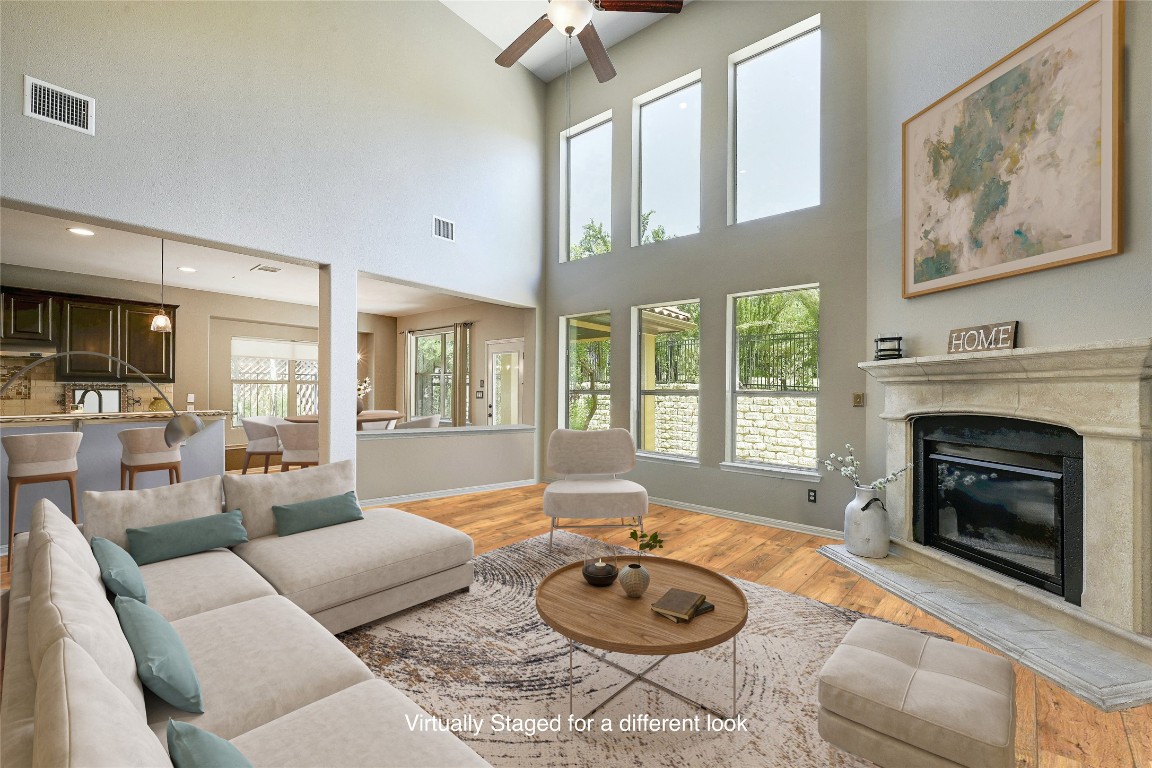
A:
(866, 524)
(634, 579)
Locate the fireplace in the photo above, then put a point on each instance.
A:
(1004, 493)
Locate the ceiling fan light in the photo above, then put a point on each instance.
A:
(570, 16)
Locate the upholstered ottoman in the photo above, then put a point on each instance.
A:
(901, 698)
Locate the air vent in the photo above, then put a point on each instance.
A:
(443, 229)
(53, 104)
(264, 268)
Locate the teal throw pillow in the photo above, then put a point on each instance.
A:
(187, 537)
(318, 513)
(118, 571)
(162, 661)
(192, 747)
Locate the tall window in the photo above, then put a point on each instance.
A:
(776, 377)
(589, 190)
(669, 157)
(776, 111)
(433, 361)
(588, 340)
(668, 420)
(273, 378)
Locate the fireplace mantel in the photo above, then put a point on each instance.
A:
(1103, 391)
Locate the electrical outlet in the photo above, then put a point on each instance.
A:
(857, 399)
(812, 495)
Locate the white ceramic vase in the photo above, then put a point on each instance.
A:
(866, 524)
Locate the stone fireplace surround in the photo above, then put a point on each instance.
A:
(1103, 391)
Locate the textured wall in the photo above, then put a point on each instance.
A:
(329, 131)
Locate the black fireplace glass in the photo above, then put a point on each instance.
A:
(1008, 513)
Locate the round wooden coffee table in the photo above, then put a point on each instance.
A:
(607, 619)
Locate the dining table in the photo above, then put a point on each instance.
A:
(362, 418)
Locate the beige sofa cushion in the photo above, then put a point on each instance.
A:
(185, 586)
(65, 603)
(48, 523)
(17, 711)
(330, 566)
(257, 661)
(255, 495)
(941, 697)
(361, 726)
(109, 513)
(83, 720)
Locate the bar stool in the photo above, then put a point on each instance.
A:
(41, 458)
(146, 451)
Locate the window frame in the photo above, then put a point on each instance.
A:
(565, 389)
(566, 137)
(291, 382)
(731, 462)
(639, 392)
(669, 88)
(747, 53)
(449, 371)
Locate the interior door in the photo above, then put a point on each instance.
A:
(505, 381)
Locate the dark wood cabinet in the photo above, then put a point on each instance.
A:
(88, 326)
(152, 352)
(27, 316)
(75, 323)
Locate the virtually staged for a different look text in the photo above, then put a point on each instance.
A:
(435, 383)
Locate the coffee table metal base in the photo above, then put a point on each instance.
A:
(642, 677)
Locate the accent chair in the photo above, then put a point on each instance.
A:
(589, 462)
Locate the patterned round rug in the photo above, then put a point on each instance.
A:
(483, 664)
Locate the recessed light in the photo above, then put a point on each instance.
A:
(81, 231)
(186, 269)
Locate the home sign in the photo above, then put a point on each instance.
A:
(982, 338)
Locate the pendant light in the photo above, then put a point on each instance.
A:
(162, 323)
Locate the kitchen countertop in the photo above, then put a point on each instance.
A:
(47, 418)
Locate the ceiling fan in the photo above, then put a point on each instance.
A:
(574, 17)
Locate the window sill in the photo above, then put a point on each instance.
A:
(785, 473)
(660, 458)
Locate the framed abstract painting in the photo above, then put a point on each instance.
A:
(1018, 169)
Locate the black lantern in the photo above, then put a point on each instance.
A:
(888, 347)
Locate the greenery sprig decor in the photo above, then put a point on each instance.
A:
(646, 542)
(849, 466)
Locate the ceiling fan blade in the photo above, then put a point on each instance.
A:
(640, 6)
(520, 45)
(597, 56)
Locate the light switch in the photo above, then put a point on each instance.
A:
(857, 399)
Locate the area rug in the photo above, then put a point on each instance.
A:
(484, 665)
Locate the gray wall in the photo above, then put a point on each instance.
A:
(328, 131)
(824, 245)
(917, 52)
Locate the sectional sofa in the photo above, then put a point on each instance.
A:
(257, 621)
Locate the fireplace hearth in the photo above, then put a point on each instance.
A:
(1006, 494)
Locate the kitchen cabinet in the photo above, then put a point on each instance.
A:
(88, 326)
(152, 352)
(27, 316)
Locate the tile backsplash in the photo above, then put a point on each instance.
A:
(39, 393)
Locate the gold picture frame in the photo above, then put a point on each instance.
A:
(1018, 169)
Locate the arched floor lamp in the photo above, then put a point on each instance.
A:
(180, 427)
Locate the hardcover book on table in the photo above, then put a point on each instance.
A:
(678, 603)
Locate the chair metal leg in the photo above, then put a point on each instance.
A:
(551, 532)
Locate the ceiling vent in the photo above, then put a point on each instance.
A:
(443, 229)
(53, 104)
(264, 268)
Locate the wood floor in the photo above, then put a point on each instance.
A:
(1054, 729)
